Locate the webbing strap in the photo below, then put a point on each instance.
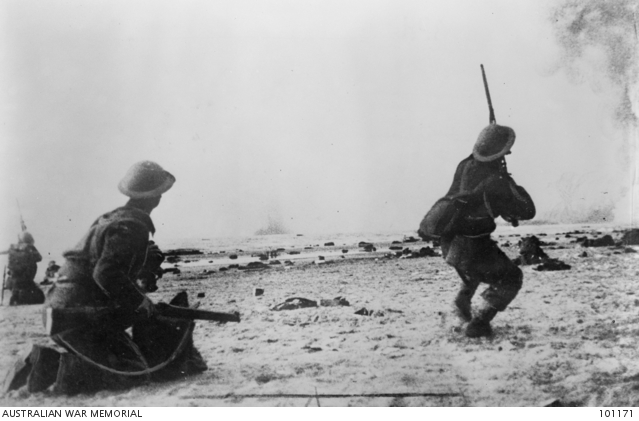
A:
(150, 370)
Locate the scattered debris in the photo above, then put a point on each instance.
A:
(182, 252)
(604, 241)
(530, 252)
(427, 252)
(233, 256)
(293, 252)
(344, 251)
(390, 310)
(294, 303)
(329, 244)
(254, 266)
(172, 270)
(410, 240)
(337, 301)
(630, 237)
(312, 348)
(551, 265)
(364, 312)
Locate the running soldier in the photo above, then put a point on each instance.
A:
(482, 190)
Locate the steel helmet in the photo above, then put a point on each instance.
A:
(493, 142)
(26, 237)
(146, 179)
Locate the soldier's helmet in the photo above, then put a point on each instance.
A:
(146, 179)
(26, 237)
(493, 142)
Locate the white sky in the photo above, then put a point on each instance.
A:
(335, 116)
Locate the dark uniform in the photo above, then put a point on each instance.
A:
(482, 190)
(101, 271)
(50, 274)
(477, 258)
(23, 265)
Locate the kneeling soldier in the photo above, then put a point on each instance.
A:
(23, 266)
(101, 272)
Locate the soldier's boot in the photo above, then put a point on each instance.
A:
(45, 362)
(37, 368)
(17, 375)
(462, 307)
(479, 326)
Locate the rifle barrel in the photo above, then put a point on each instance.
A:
(4, 277)
(168, 310)
(60, 319)
(491, 117)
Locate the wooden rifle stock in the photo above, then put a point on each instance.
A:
(57, 320)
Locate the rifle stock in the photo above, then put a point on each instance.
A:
(57, 320)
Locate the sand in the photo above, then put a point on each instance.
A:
(569, 335)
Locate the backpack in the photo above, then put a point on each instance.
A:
(449, 216)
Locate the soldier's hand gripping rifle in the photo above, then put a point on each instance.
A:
(57, 320)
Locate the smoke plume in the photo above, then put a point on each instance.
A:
(600, 45)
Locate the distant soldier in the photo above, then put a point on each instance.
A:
(102, 272)
(51, 274)
(482, 190)
(23, 266)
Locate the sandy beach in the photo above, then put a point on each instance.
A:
(569, 335)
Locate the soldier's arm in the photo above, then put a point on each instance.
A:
(506, 199)
(37, 257)
(523, 207)
(122, 255)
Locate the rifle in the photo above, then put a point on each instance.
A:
(4, 277)
(58, 320)
(22, 224)
(491, 118)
